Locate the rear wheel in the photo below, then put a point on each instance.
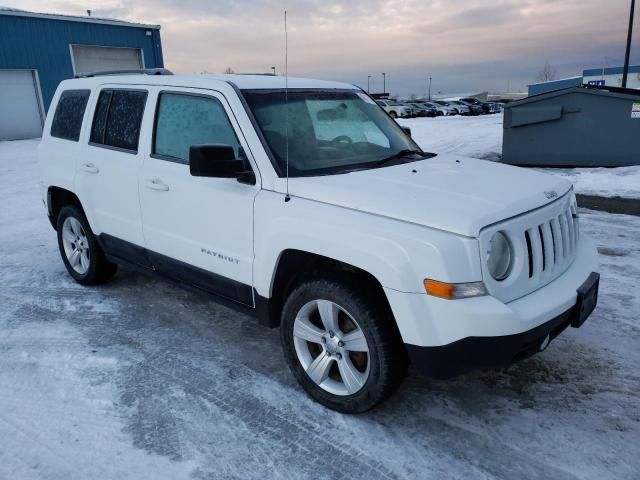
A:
(341, 346)
(393, 114)
(81, 254)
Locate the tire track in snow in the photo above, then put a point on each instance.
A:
(264, 420)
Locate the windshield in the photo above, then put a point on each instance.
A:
(329, 131)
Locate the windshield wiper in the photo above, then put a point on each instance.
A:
(402, 153)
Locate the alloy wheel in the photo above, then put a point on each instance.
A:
(76, 245)
(331, 347)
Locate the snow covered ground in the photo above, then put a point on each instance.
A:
(141, 379)
(481, 137)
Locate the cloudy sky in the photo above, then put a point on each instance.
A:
(465, 45)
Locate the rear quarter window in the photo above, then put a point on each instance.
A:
(67, 121)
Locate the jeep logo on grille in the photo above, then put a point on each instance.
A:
(550, 194)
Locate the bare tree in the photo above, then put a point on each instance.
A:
(546, 73)
(229, 70)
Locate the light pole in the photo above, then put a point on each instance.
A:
(384, 82)
(429, 93)
(368, 83)
(628, 52)
(274, 70)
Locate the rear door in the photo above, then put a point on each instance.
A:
(107, 177)
(198, 230)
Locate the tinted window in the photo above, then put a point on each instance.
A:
(67, 120)
(100, 117)
(185, 120)
(117, 119)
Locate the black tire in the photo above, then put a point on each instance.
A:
(387, 357)
(100, 269)
(393, 115)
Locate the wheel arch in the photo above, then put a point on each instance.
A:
(293, 266)
(57, 199)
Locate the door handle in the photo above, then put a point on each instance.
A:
(90, 168)
(157, 184)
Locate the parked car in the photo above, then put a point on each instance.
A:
(422, 110)
(460, 109)
(474, 105)
(487, 107)
(395, 109)
(442, 111)
(413, 111)
(314, 211)
(499, 106)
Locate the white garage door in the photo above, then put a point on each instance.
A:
(20, 113)
(95, 59)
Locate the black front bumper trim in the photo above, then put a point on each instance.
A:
(473, 353)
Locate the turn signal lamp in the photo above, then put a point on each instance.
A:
(454, 291)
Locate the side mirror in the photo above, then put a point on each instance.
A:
(218, 161)
(406, 130)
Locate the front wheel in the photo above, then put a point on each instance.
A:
(341, 346)
(393, 115)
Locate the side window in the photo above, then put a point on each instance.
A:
(117, 119)
(67, 120)
(183, 120)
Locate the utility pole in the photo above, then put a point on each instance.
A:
(628, 52)
(429, 94)
(368, 83)
(384, 82)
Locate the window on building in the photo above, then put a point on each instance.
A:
(67, 121)
(117, 119)
(185, 120)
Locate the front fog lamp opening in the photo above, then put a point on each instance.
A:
(454, 291)
(499, 256)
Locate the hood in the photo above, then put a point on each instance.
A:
(451, 193)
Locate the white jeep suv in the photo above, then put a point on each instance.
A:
(316, 212)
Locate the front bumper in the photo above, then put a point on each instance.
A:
(474, 353)
(483, 331)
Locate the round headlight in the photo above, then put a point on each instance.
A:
(499, 256)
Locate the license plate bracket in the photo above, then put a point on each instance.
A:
(587, 300)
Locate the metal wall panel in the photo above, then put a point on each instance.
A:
(43, 44)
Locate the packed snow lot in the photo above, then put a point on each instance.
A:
(142, 379)
(481, 137)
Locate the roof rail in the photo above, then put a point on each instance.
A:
(142, 71)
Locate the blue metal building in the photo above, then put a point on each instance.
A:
(544, 87)
(602, 77)
(38, 51)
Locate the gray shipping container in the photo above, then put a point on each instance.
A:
(574, 127)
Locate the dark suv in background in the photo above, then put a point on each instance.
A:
(484, 107)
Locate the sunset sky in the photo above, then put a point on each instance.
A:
(465, 45)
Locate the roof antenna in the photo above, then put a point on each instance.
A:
(286, 102)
